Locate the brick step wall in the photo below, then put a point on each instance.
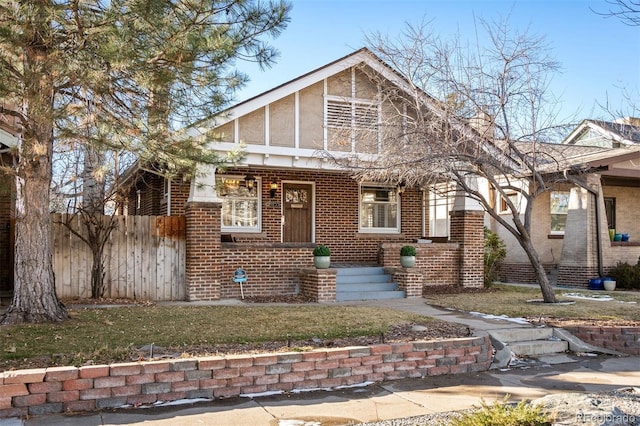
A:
(624, 339)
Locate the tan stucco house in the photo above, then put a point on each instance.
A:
(571, 226)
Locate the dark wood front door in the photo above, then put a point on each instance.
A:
(298, 212)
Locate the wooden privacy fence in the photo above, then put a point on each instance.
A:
(144, 258)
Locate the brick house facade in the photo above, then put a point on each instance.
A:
(274, 266)
(267, 214)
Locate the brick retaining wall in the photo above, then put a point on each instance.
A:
(72, 389)
(621, 339)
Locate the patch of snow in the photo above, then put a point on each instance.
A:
(501, 317)
(357, 385)
(168, 403)
(298, 423)
(259, 394)
(593, 297)
(270, 393)
(179, 402)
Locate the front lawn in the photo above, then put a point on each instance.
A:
(515, 301)
(118, 333)
(126, 333)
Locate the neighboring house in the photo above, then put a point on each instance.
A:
(266, 215)
(570, 226)
(8, 141)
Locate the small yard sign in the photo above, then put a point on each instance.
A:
(239, 276)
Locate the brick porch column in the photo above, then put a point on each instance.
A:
(203, 220)
(467, 229)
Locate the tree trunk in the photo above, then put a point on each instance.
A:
(34, 294)
(541, 275)
(97, 274)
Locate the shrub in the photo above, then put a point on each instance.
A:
(503, 414)
(494, 253)
(408, 251)
(321, 250)
(627, 276)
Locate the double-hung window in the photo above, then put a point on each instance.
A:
(441, 197)
(240, 204)
(559, 208)
(379, 209)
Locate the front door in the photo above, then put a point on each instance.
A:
(298, 209)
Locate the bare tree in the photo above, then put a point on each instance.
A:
(628, 11)
(477, 117)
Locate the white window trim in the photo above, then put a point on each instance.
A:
(507, 210)
(364, 230)
(166, 190)
(552, 232)
(243, 229)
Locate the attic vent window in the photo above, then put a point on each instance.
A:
(354, 114)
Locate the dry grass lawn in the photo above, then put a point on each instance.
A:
(515, 301)
(117, 333)
(114, 334)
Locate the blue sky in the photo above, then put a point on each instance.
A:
(599, 56)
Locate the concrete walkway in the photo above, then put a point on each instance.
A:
(387, 400)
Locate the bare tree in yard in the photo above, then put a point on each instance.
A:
(628, 11)
(84, 181)
(63, 62)
(486, 132)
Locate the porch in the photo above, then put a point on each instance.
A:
(287, 268)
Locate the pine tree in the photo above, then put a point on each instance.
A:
(116, 76)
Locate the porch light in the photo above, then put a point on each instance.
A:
(232, 184)
(401, 188)
(250, 181)
(273, 187)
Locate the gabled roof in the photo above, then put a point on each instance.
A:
(360, 56)
(611, 133)
(619, 162)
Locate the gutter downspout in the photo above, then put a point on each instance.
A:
(169, 200)
(598, 235)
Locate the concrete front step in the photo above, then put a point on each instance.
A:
(518, 334)
(526, 341)
(360, 270)
(538, 347)
(366, 287)
(365, 283)
(369, 295)
(361, 279)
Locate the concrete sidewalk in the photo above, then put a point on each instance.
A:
(388, 400)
